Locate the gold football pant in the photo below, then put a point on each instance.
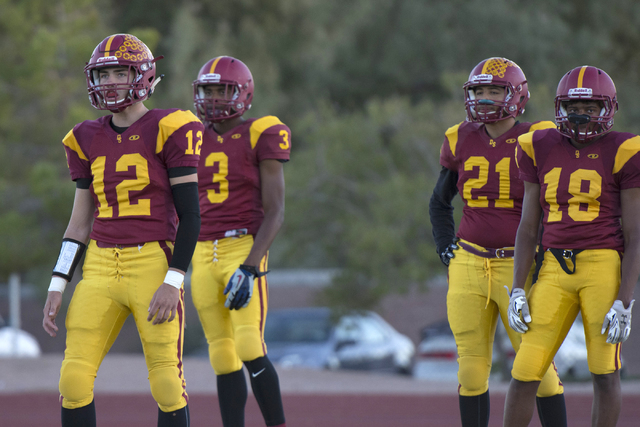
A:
(554, 303)
(234, 336)
(475, 299)
(115, 283)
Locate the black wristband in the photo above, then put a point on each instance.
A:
(253, 270)
(71, 252)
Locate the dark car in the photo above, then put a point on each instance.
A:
(314, 338)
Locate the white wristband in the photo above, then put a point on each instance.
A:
(174, 279)
(57, 284)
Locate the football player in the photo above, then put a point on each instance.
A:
(478, 162)
(583, 180)
(241, 184)
(136, 174)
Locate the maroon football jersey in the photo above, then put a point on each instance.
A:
(487, 181)
(130, 183)
(229, 175)
(580, 189)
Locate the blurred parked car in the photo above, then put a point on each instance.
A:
(437, 355)
(311, 337)
(18, 343)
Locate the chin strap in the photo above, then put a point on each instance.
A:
(154, 84)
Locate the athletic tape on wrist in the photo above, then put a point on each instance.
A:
(57, 284)
(174, 279)
(70, 254)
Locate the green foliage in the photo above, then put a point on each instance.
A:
(44, 46)
(358, 196)
(368, 88)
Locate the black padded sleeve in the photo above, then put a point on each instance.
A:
(83, 183)
(443, 226)
(181, 171)
(185, 198)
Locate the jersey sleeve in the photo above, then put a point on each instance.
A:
(526, 158)
(627, 163)
(448, 150)
(180, 137)
(271, 139)
(77, 160)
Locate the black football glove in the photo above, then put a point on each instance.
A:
(447, 254)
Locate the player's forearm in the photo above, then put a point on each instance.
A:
(525, 249)
(81, 220)
(630, 270)
(265, 236)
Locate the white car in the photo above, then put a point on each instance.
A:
(17, 343)
(313, 337)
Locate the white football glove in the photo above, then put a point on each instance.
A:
(239, 289)
(517, 305)
(618, 320)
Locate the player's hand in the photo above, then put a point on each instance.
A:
(618, 320)
(50, 311)
(164, 304)
(447, 254)
(518, 305)
(239, 289)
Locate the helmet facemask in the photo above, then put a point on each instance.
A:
(110, 96)
(477, 111)
(217, 109)
(583, 128)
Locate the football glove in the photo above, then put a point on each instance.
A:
(447, 254)
(240, 287)
(518, 305)
(618, 320)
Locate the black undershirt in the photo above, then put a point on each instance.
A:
(443, 226)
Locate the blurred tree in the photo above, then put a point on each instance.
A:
(368, 88)
(358, 197)
(44, 46)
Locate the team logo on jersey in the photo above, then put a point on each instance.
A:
(220, 139)
(593, 156)
(236, 135)
(492, 143)
(577, 154)
(511, 140)
(119, 137)
(134, 137)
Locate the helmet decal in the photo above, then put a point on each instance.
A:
(497, 66)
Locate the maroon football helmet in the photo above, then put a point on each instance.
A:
(238, 82)
(121, 50)
(496, 72)
(586, 84)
